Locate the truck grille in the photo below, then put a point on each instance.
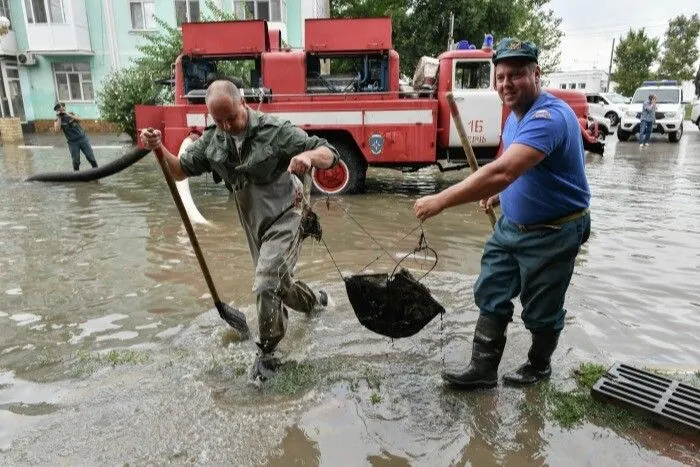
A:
(657, 115)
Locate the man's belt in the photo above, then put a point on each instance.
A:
(555, 224)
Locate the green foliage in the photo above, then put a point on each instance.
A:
(570, 409)
(88, 362)
(121, 91)
(680, 48)
(634, 56)
(160, 49)
(421, 27)
(124, 89)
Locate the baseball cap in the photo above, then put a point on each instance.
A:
(58, 105)
(510, 47)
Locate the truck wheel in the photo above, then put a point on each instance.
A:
(614, 119)
(676, 135)
(348, 175)
(623, 135)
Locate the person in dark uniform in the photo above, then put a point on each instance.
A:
(75, 135)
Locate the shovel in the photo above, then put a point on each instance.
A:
(235, 318)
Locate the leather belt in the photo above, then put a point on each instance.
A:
(555, 224)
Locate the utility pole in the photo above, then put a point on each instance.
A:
(450, 37)
(612, 51)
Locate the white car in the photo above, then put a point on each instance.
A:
(600, 105)
(604, 125)
(695, 114)
(669, 110)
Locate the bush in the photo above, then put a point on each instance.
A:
(124, 89)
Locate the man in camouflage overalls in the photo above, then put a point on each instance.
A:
(258, 155)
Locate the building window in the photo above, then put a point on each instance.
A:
(37, 11)
(186, 11)
(270, 10)
(142, 13)
(582, 85)
(5, 10)
(73, 81)
(562, 85)
(472, 75)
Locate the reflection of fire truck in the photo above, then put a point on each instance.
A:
(345, 87)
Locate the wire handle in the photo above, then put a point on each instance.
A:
(422, 246)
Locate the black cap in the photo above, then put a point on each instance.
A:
(58, 105)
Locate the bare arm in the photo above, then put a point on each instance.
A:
(489, 180)
(57, 124)
(321, 158)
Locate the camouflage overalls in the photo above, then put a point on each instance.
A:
(264, 193)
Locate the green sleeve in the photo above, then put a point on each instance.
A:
(194, 161)
(292, 141)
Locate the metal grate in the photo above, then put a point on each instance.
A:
(669, 402)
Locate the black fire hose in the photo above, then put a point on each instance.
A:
(89, 175)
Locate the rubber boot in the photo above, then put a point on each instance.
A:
(487, 350)
(264, 366)
(537, 366)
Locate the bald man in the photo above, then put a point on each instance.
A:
(259, 155)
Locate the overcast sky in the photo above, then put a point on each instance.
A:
(590, 26)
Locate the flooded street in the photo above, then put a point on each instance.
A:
(111, 352)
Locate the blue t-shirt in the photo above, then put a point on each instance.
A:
(557, 186)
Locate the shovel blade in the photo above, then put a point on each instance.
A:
(235, 318)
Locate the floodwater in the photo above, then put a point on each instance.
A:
(90, 268)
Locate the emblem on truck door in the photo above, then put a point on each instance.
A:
(376, 143)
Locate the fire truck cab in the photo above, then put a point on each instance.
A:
(344, 86)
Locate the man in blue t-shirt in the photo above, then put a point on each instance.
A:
(78, 141)
(541, 184)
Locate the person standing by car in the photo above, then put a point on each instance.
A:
(646, 120)
(75, 135)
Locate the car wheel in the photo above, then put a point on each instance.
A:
(346, 177)
(676, 135)
(623, 135)
(614, 119)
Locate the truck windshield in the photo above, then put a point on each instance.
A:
(663, 96)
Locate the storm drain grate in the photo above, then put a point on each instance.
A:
(669, 402)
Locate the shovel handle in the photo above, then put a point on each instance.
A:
(466, 145)
(186, 221)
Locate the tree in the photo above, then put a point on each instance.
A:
(421, 27)
(680, 50)
(121, 91)
(137, 84)
(634, 56)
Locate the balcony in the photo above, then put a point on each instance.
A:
(55, 31)
(8, 44)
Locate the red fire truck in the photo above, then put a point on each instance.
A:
(345, 87)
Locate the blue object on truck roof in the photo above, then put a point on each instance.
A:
(663, 82)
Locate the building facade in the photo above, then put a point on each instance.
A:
(584, 80)
(61, 50)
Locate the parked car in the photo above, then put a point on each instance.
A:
(603, 124)
(695, 114)
(670, 110)
(602, 106)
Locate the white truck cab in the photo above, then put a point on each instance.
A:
(669, 110)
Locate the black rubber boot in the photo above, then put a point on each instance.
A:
(264, 366)
(537, 366)
(487, 350)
